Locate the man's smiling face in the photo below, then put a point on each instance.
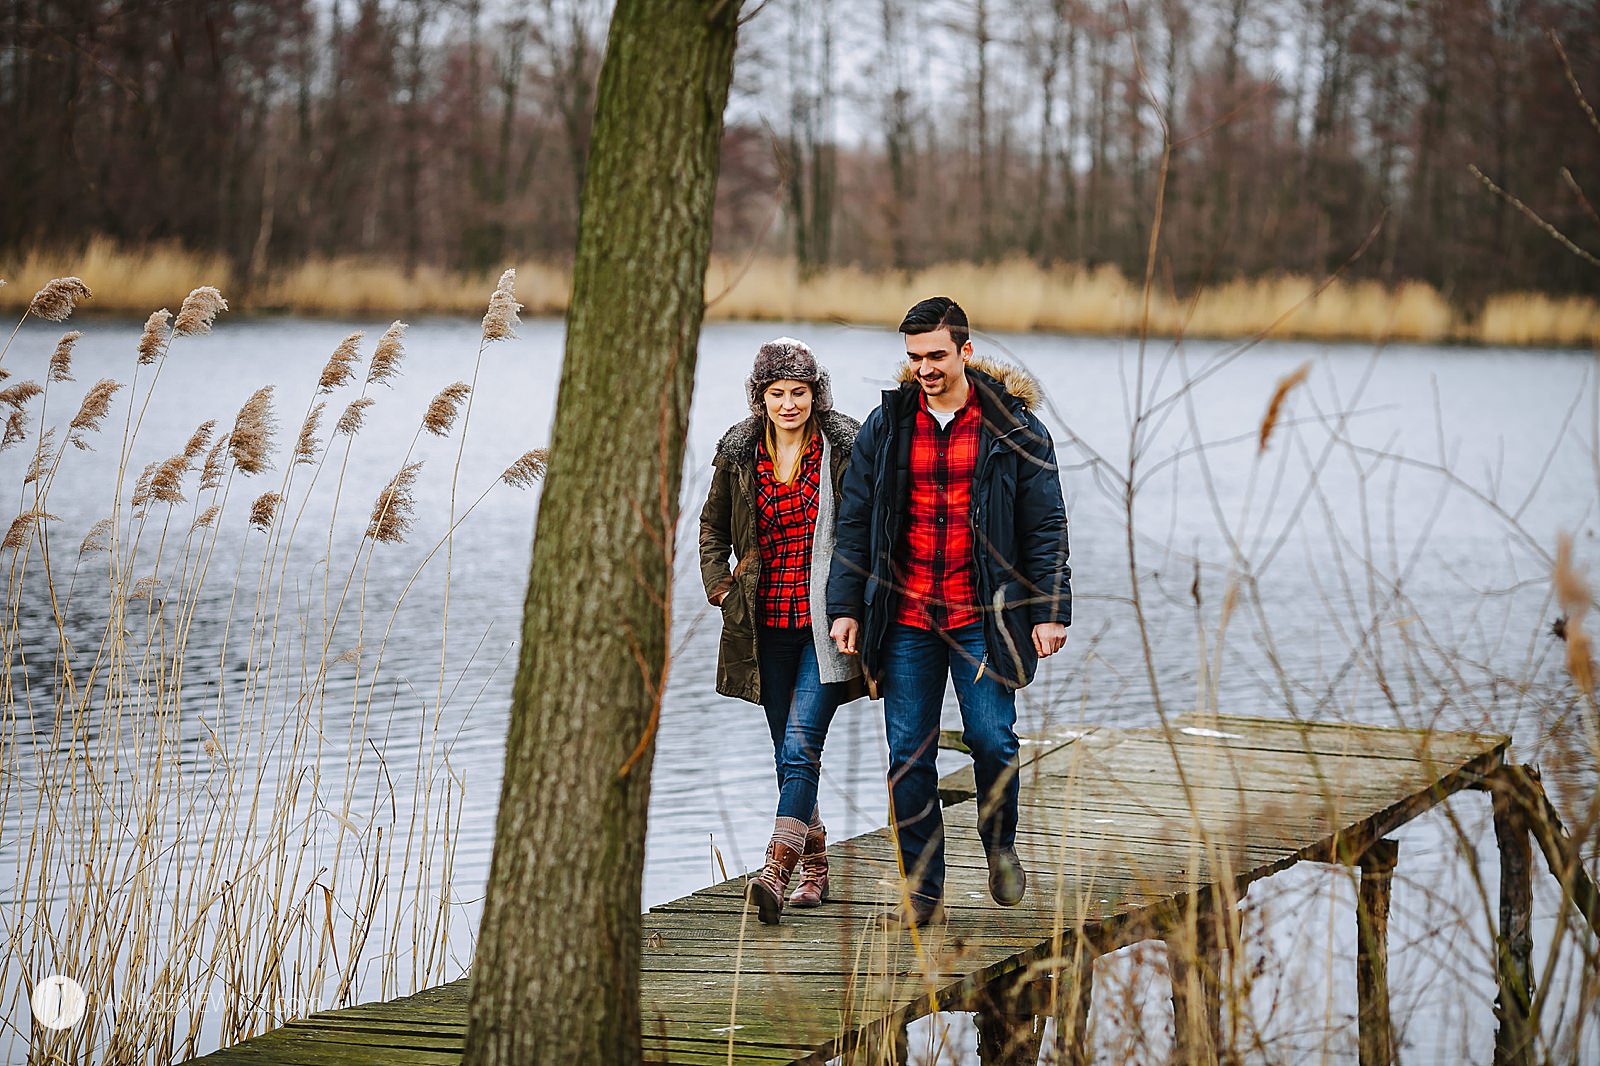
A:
(935, 359)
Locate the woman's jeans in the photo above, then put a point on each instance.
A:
(799, 710)
(915, 665)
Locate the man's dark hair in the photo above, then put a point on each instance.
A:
(935, 313)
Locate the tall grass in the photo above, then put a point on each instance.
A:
(211, 821)
(1014, 296)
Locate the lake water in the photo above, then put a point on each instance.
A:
(1380, 589)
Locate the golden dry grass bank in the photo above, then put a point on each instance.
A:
(1012, 296)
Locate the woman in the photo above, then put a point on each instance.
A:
(774, 484)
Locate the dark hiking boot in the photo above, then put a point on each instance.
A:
(915, 914)
(1007, 879)
(813, 889)
(767, 888)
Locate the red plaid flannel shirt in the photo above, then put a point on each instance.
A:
(936, 571)
(786, 519)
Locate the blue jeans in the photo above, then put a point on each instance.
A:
(915, 664)
(799, 710)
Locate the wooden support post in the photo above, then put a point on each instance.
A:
(1009, 1033)
(881, 1044)
(1372, 952)
(1515, 1028)
(1194, 962)
(1069, 1007)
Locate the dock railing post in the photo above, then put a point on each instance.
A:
(1377, 865)
(1515, 1026)
(1009, 1030)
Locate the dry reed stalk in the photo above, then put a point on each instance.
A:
(153, 339)
(500, 320)
(391, 512)
(250, 440)
(21, 526)
(1286, 384)
(61, 358)
(387, 357)
(96, 404)
(442, 411)
(341, 366)
(1573, 594)
(264, 509)
(527, 470)
(305, 446)
(198, 312)
(55, 302)
(349, 423)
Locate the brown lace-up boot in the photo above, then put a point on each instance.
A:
(813, 888)
(767, 889)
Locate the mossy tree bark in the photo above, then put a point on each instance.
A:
(556, 978)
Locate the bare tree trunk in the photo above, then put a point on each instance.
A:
(556, 979)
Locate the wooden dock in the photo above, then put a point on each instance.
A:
(1127, 835)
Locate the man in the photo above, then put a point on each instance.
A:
(951, 560)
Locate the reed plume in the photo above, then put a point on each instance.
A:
(1572, 592)
(144, 588)
(90, 413)
(153, 339)
(1286, 385)
(41, 458)
(199, 310)
(527, 470)
(349, 655)
(61, 358)
(211, 473)
(391, 512)
(207, 516)
(305, 446)
(55, 301)
(141, 488)
(386, 359)
(98, 539)
(264, 509)
(166, 482)
(15, 396)
(441, 413)
(21, 527)
(341, 365)
(250, 441)
(199, 439)
(350, 422)
(500, 321)
(16, 429)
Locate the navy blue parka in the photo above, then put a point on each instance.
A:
(1019, 522)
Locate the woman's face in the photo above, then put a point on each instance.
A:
(788, 403)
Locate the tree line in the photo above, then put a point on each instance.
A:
(1300, 136)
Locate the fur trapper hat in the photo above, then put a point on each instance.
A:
(787, 359)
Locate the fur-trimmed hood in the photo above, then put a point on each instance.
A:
(1020, 384)
(738, 445)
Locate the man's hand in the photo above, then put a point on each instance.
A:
(844, 635)
(1049, 638)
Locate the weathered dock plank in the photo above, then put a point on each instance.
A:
(1120, 830)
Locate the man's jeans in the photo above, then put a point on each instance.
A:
(799, 710)
(915, 664)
